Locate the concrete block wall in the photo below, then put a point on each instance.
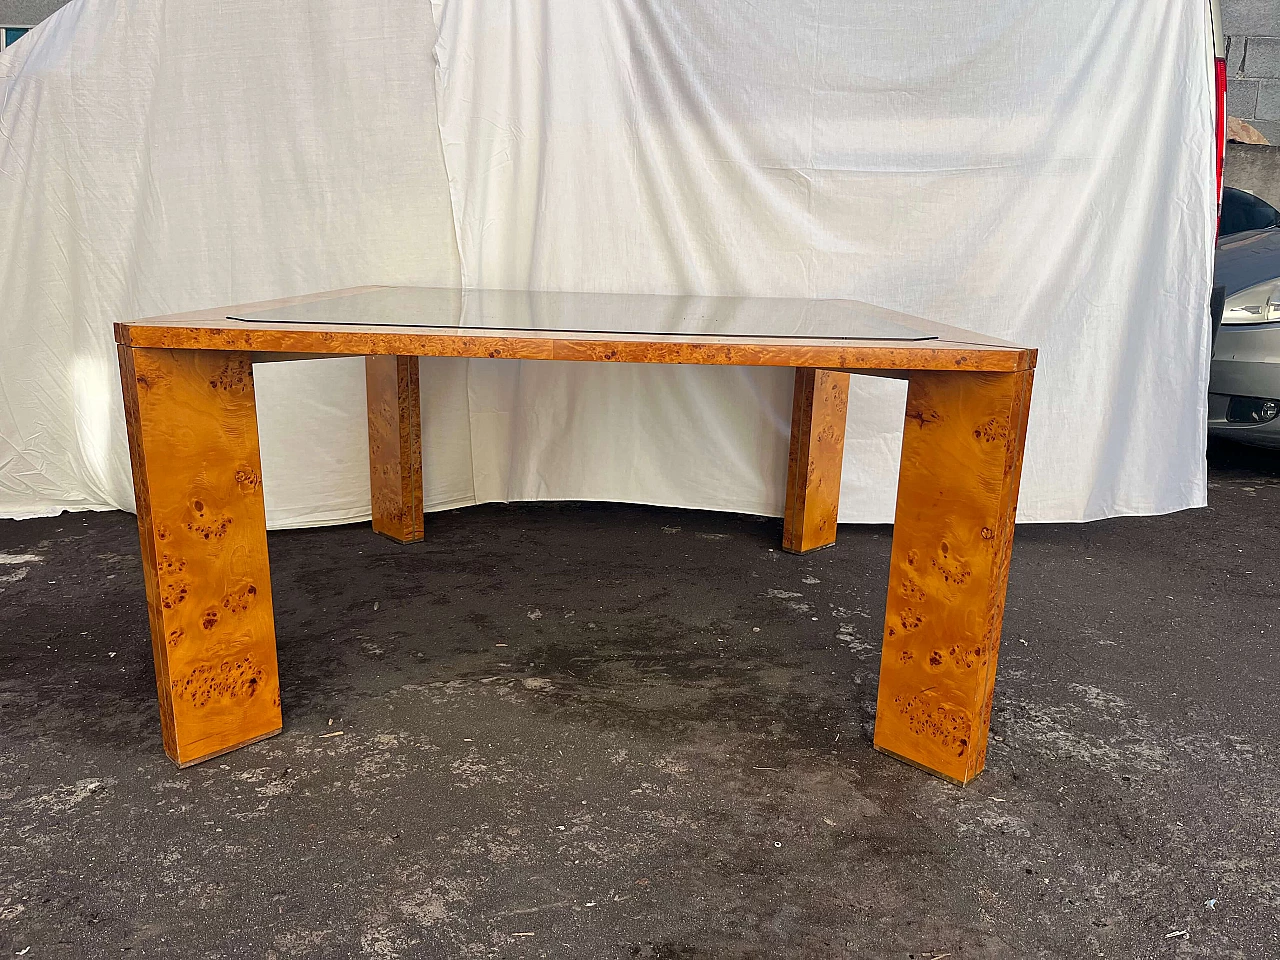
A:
(1253, 63)
(1254, 168)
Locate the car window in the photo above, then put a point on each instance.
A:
(1243, 211)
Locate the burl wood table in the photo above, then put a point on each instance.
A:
(193, 437)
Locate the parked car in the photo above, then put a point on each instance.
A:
(1244, 377)
(1242, 211)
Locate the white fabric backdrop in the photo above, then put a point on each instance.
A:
(1037, 171)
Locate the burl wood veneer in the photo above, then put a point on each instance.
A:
(952, 540)
(193, 440)
(188, 386)
(395, 446)
(818, 412)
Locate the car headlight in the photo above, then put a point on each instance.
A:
(1260, 304)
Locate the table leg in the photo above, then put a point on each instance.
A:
(818, 411)
(952, 540)
(395, 446)
(193, 441)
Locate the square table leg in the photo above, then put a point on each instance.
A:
(818, 410)
(395, 446)
(952, 541)
(193, 442)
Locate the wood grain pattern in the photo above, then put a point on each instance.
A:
(818, 412)
(395, 446)
(952, 540)
(210, 330)
(615, 348)
(193, 440)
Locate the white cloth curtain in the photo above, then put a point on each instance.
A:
(1042, 172)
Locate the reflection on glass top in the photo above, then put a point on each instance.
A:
(584, 313)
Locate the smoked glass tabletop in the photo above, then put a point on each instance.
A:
(442, 309)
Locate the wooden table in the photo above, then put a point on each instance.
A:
(193, 438)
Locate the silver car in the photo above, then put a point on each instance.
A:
(1244, 378)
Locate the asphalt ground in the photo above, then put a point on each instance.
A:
(596, 731)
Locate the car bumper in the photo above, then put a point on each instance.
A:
(1246, 363)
